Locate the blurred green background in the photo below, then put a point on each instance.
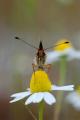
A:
(32, 20)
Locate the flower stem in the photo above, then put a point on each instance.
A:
(31, 113)
(41, 109)
(61, 82)
(62, 70)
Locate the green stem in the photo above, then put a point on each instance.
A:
(62, 70)
(41, 109)
(61, 82)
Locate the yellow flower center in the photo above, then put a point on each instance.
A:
(78, 90)
(62, 45)
(40, 82)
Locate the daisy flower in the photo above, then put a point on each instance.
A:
(74, 98)
(40, 89)
(63, 48)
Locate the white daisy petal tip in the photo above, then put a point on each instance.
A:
(19, 96)
(10, 101)
(28, 102)
(14, 100)
(64, 88)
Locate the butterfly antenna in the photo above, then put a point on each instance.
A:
(56, 45)
(17, 38)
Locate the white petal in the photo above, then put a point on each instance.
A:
(34, 98)
(52, 56)
(19, 96)
(74, 99)
(69, 50)
(38, 97)
(15, 100)
(55, 55)
(29, 100)
(49, 98)
(77, 54)
(65, 88)
(72, 54)
(70, 97)
(77, 105)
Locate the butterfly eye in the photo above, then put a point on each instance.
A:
(66, 42)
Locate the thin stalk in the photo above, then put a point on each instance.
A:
(61, 82)
(31, 113)
(41, 110)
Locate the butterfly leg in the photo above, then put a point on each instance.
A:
(48, 67)
(33, 66)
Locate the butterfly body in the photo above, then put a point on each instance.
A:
(40, 56)
(40, 59)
